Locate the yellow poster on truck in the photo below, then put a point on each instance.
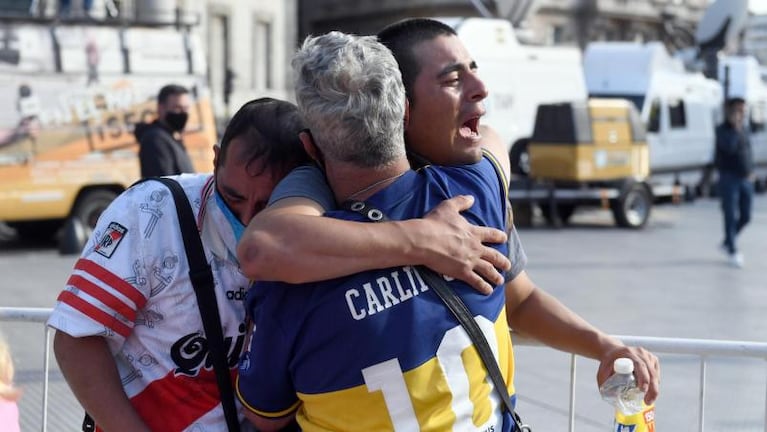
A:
(70, 98)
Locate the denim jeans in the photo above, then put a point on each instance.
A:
(737, 194)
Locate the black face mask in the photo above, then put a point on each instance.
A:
(176, 121)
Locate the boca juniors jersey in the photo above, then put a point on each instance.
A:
(378, 350)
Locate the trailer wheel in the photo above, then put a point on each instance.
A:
(564, 212)
(82, 220)
(632, 208)
(523, 214)
(760, 185)
(520, 158)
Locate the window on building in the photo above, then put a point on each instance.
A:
(676, 114)
(557, 34)
(757, 117)
(263, 61)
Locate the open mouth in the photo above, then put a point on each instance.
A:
(470, 129)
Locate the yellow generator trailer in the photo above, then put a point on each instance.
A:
(587, 153)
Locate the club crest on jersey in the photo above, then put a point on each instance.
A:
(111, 239)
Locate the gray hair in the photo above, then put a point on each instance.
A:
(350, 93)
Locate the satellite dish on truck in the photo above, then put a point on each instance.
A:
(721, 24)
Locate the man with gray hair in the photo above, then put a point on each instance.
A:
(376, 350)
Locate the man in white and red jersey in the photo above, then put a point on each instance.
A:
(130, 339)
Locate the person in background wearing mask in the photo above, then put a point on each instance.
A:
(162, 150)
(734, 161)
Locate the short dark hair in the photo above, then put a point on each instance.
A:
(170, 90)
(402, 36)
(731, 102)
(271, 127)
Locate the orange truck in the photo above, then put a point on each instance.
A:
(70, 96)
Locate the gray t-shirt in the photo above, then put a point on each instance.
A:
(309, 182)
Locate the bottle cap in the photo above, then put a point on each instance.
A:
(623, 366)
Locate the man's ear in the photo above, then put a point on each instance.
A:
(216, 149)
(407, 113)
(311, 148)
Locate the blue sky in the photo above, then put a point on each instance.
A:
(758, 6)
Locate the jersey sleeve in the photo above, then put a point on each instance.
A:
(108, 284)
(305, 182)
(267, 358)
(516, 255)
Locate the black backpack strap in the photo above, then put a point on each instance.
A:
(202, 280)
(461, 313)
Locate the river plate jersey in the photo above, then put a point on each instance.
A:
(379, 351)
(131, 286)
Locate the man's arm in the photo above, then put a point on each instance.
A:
(288, 236)
(91, 373)
(532, 312)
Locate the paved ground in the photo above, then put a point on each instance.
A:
(667, 280)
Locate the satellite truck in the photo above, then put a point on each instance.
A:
(71, 91)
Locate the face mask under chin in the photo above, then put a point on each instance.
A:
(237, 227)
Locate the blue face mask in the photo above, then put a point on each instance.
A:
(237, 227)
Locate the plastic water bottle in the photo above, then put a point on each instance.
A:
(621, 391)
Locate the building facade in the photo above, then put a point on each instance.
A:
(545, 22)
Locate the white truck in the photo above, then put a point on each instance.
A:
(679, 108)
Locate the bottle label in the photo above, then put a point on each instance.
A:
(640, 422)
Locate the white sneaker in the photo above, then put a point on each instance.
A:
(736, 260)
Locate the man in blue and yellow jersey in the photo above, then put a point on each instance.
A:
(376, 350)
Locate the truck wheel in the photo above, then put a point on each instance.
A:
(632, 208)
(37, 230)
(82, 220)
(520, 158)
(564, 211)
(91, 204)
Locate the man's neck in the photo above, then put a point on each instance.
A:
(348, 181)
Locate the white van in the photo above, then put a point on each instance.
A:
(680, 109)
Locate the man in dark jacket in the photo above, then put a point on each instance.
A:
(734, 162)
(162, 150)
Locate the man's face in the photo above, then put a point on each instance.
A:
(447, 105)
(244, 193)
(737, 115)
(177, 103)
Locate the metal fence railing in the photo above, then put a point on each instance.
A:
(704, 349)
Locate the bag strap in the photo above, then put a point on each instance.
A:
(202, 280)
(461, 313)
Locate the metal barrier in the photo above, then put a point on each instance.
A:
(702, 348)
